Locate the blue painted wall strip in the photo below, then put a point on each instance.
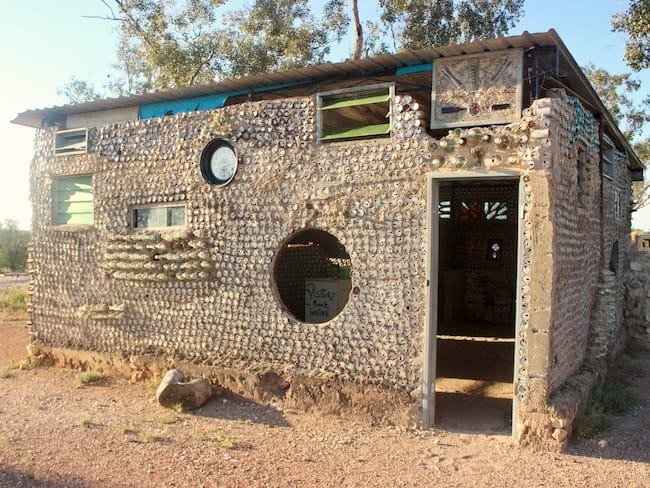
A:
(207, 102)
(170, 107)
(405, 70)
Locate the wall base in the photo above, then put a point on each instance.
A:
(327, 395)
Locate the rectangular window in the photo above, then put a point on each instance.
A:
(608, 155)
(618, 207)
(354, 113)
(73, 200)
(158, 216)
(582, 177)
(73, 141)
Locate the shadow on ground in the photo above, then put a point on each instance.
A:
(15, 479)
(230, 406)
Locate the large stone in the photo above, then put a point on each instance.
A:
(173, 390)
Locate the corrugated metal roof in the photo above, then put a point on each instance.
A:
(383, 63)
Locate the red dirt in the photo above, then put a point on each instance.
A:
(55, 433)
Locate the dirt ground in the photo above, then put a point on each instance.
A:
(55, 433)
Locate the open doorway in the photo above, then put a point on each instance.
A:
(477, 235)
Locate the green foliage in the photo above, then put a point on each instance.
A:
(13, 304)
(78, 91)
(635, 22)
(164, 44)
(612, 397)
(13, 247)
(224, 441)
(616, 92)
(416, 24)
(6, 372)
(89, 377)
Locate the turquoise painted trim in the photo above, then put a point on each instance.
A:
(171, 107)
(416, 68)
(207, 102)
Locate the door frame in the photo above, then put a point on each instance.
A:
(432, 284)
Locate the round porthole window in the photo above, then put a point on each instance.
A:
(311, 276)
(218, 162)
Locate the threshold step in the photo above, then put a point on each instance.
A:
(479, 388)
(475, 338)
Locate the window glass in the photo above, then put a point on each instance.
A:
(159, 216)
(73, 200)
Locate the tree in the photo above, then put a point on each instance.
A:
(641, 189)
(635, 22)
(416, 24)
(358, 31)
(13, 247)
(164, 45)
(615, 91)
(79, 91)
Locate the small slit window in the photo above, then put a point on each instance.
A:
(608, 156)
(156, 217)
(354, 113)
(582, 177)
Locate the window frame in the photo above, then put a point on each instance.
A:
(608, 157)
(356, 94)
(57, 202)
(71, 141)
(169, 205)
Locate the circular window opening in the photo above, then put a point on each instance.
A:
(311, 276)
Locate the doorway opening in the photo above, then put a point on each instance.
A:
(476, 297)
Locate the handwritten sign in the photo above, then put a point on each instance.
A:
(320, 299)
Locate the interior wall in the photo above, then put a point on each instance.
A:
(295, 263)
(484, 287)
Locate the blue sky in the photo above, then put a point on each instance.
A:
(45, 43)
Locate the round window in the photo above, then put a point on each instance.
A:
(218, 162)
(311, 276)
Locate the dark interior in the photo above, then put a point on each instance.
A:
(476, 304)
(311, 256)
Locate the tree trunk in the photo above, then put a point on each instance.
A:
(358, 38)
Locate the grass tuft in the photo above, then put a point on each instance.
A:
(126, 429)
(6, 372)
(222, 440)
(88, 422)
(151, 437)
(152, 383)
(13, 304)
(5, 438)
(612, 397)
(31, 362)
(89, 377)
(170, 417)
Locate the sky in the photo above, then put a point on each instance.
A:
(45, 43)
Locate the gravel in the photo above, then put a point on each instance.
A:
(56, 433)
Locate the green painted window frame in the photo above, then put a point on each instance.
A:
(361, 97)
(73, 200)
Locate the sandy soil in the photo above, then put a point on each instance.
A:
(55, 433)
